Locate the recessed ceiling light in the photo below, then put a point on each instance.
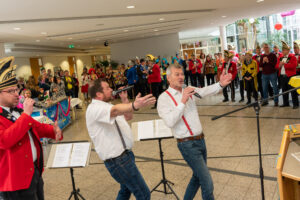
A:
(44, 33)
(97, 39)
(155, 30)
(38, 40)
(161, 19)
(17, 28)
(125, 30)
(130, 7)
(224, 16)
(70, 38)
(258, 1)
(91, 47)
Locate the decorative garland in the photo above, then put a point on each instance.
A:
(65, 114)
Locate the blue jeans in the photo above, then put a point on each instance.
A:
(194, 153)
(125, 172)
(266, 78)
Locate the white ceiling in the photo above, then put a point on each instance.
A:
(87, 24)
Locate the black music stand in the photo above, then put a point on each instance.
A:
(164, 181)
(75, 191)
(256, 106)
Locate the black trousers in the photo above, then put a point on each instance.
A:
(34, 192)
(142, 87)
(284, 82)
(155, 91)
(186, 77)
(210, 78)
(242, 88)
(232, 89)
(201, 80)
(250, 88)
(194, 79)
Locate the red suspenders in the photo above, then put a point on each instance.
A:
(183, 118)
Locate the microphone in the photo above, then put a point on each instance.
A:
(37, 105)
(114, 93)
(196, 94)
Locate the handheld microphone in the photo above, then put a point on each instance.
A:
(196, 94)
(37, 105)
(114, 93)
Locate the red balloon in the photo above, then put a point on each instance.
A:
(278, 26)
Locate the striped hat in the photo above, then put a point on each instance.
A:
(7, 73)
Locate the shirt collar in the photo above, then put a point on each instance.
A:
(173, 91)
(6, 108)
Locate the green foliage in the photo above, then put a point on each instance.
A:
(114, 64)
(276, 38)
(105, 63)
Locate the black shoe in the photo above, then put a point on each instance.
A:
(248, 102)
(242, 100)
(232, 100)
(295, 107)
(225, 100)
(276, 104)
(284, 105)
(264, 103)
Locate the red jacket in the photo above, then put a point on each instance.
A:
(279, 55)
(290, 66)
(298, 62)
(255, 57)
(155, 77)
(16, 165)
(232, 69)
(198, 66)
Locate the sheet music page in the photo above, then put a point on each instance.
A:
(62, 155)
(79, 154)
(296, 155)
(145, 130)
(161, 130)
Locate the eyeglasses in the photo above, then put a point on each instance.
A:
(12, 91)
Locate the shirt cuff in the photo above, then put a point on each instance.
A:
(181, 107)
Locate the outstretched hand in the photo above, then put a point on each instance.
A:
(57, 131)
(225, 79)
(145, 101)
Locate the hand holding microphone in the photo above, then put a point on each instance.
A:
(114, 93)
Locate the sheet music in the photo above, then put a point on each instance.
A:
(296, 155)
(62, 155)
(80, 153)
(161, 130)
(145, 130)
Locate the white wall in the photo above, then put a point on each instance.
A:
(2, 50)
(23, 67)
(165, 46)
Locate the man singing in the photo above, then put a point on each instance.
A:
(112, 137)
(177, 107)
(21, 155)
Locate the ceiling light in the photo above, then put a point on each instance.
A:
(97, 39)
(251, 20)
(224, 16)
(17, 28)
(70, 38)
(44, 33)
(259, 1)
(38, 40)
(91, 47)
(130, 7)
(125, 30)
(155, 30)
(161, 19)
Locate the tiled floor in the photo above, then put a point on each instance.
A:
(232, 156)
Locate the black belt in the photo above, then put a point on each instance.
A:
(121, 155)
(198, 137)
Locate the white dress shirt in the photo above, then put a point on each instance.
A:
(33, 148)
(103, 131)
(172, 115)
(284, 59)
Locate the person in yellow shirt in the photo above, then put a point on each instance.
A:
(249, 74)
(69, 84)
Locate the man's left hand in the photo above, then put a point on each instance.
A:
(225, 79)
(57, 131)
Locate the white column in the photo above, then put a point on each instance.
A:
(2, 50)
(223, 38)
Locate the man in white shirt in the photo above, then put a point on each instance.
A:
(112, 137)
(177, 107)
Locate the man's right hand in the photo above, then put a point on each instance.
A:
(28, 106)
(141, 102)
(187, 93)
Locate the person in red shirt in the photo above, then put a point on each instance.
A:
(155, 78)
(21, 153)
(297, 55)
(230, 68)
(195, 68)
(287, 69)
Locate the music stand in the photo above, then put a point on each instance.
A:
(76, 155)
(163, 181)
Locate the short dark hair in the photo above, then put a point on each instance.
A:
(96, 86)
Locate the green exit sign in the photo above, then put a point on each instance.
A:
(71, 46)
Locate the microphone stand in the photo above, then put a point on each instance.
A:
(256, 106)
